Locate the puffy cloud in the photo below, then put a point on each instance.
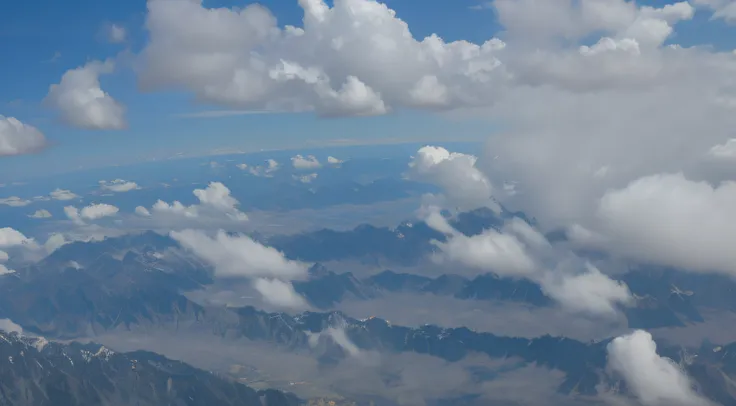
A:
(242, 166)
(654, 380)
(62, 194)
(215, 200)
(82, 103)
(118, 185)
(334, 161)
(41, 214)
(5, 271)
(520, 251)
(91, 212)
(239, 256)
(116, 33)
(14, 201)
(727, 150)
(267, 170)
(671, 220)
(280, 293)
(305, 163)
(305, 178)
(464, 185)
(54, 242)
(354, 58)
(142, 211)
(10, 237)
(17, 138)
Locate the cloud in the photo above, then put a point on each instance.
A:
(17, 138)
(280, 293)
(41, 214)
(54, 242)
(91, 212)
(671, 220)
(142, 211)
(727, 150)
(5, 271)
(14, 201)
(464, 185)
(305, 178)
(118, 185)
(215, 202)
(82, 103)
(355, 58)
(4, 256)
(334, 161)
(654, 380)
(242, 166)
(239, 256)
(722, 9)
(8, 326)
(10, 237)
(305, 163)
(519, 251)
(265, 171)
(116, 34)
(61, 194)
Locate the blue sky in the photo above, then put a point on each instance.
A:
(44, 38)
(41, 39)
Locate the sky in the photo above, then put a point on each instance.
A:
(42, 39)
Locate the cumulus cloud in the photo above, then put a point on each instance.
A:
(14, 201)
(520, 251)
(17, 138)
(54, 242)
(91, 212)
(5, 271)
(239, 256)
(41, 214)
(305, 163)
(668, 219)
(82, 103)
(10, 237)
(214, 201)
(266, 170)
(242, 166)
(727, 150)
(354, 58)
(334, 161)
(463, 184)
(305, 178)
(62, 194)
(654, 380)
(118, 185)
(116, 33)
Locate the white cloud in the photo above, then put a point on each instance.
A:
(305, 163)
(242, 166)
(722, 9)
(61, 194)
(654, 380)
(519, 251)
(4, 256)
(82, 103)
(17, 138)
(54, 242)
(334, 161)
(214, 201)
(119, 185)
(280, 293)
(305, 178)
(41, 214)
(727, 150)
(142, 211)
(91, 212)
(464, 185)
(116, 34)
(671, 220)
(265, 171)
(239, 256)
(5, 271)
(355, 58)
(10, 237)
(14, 201)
